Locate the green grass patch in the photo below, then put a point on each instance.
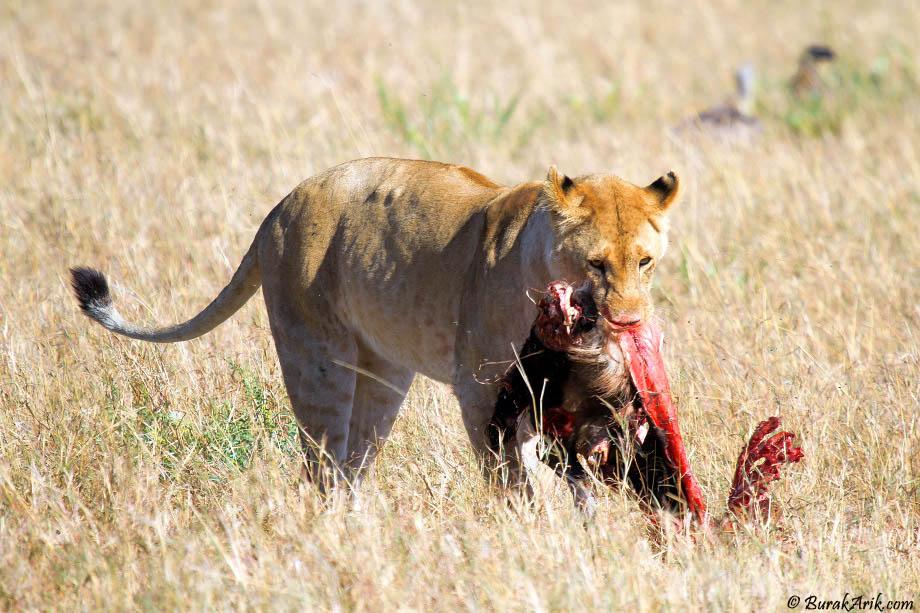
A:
(227, 440)
(446, 116)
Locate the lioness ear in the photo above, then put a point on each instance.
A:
(557, 186)
(665, 189)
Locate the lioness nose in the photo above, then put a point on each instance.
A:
(626, 319)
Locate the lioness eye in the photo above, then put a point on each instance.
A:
(597, 264)
(644, 262)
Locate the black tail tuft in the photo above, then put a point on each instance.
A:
(91, 289)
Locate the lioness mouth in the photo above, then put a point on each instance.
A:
(600, 391)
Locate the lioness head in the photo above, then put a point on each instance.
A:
(613, 233)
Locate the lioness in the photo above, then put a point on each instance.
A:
(379, 269)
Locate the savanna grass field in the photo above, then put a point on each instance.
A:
(150, 140)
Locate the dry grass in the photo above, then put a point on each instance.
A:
(151, 142)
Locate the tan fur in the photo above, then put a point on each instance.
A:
(382, 268)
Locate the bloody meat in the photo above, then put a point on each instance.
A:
(601, 392)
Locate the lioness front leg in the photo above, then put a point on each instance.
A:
(477, 403)
(519, 467)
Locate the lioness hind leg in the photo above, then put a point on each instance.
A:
(321, 387)
(379, 392)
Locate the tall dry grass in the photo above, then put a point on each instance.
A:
(150, 139)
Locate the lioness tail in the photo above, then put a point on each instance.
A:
(92, 292)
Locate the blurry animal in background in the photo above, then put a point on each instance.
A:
(807, 80)
(733, 120)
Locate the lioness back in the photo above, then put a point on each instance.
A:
(385, 238)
